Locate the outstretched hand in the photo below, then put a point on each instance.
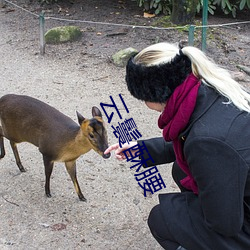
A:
(119, 150)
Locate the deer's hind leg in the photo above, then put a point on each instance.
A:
(15, 151)
(1, 144)
(71, 168)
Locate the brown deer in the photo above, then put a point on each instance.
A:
(59, 138)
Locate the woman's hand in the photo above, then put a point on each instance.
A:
(119, 151)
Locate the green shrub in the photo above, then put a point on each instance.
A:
(232, 6)
(47, 1)
(227, 6)
(157, 6)
(211, 7)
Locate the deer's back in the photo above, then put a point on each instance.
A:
(24, 118)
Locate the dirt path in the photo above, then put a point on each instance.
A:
(115, 214)
(76, 77)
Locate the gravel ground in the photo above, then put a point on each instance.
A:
(77, 76)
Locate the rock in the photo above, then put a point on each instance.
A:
(244, 68)
(2, 3)
(62, 34)
(238, 76)
(121, 58)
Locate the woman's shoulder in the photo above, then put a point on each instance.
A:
(215, 117)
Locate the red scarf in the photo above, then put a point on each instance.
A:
(174, 119)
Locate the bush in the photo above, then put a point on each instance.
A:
(156, 6)
(47, 1)
(227, 6)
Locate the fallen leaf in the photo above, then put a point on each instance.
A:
(58, 227)
(147, 15)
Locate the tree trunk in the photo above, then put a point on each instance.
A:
(183, 11)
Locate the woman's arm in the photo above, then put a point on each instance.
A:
(161, 151)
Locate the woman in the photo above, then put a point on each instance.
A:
(205, 118)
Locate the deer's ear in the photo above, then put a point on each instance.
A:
(80, 118)
(96, 111)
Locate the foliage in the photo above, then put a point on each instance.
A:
(226, 6)
(47, 1)
(165, 6)
(231, 6)
(211, 7)
(157, 6)
(244, 4)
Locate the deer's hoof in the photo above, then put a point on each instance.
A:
(82, 198)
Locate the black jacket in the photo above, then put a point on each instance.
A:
(216, 145)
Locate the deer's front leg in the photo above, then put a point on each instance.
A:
(48, 165)
(71, 168)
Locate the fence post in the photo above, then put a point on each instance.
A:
(42, 31)
(191, 35)
(204, 24)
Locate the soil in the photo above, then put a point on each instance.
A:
(77, 76)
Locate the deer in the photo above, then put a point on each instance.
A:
(58, 138)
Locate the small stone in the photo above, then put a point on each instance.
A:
(239, 76)
(136, 201)
(44, 225)
(2, 3)
(121, 58)
(58, 227)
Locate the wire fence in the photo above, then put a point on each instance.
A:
(191, 28)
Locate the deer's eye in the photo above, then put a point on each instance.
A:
(91, 136)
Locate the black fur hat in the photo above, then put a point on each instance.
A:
(156, 83)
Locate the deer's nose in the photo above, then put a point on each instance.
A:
(106, 156)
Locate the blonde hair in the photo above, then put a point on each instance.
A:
(202, 67)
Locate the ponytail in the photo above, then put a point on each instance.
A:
(218, 78)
